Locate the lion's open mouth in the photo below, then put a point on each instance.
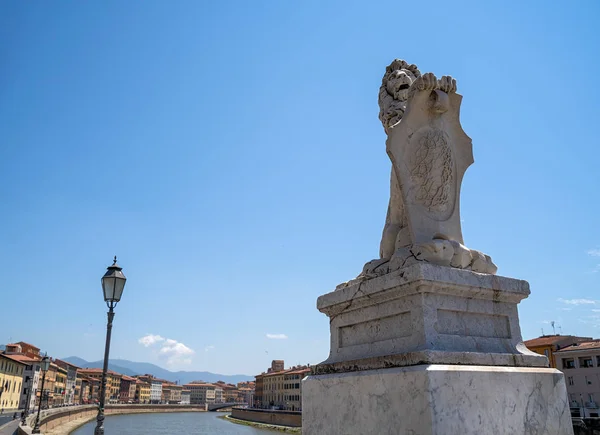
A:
(403, 87)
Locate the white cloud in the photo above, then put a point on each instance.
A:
(209, 348)
(277, 336)
(594, 252)
(577, 301)
(596, 311)
(176, 352)
(149, 340)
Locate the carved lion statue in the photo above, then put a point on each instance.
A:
(432, 137)
(394, 91)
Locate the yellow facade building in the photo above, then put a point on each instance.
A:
(280, 389)
(11, 382)
(113, 383)
(60, 385)
(142, 392)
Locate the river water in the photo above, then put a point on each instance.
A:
(179, 423)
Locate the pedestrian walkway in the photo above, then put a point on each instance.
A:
(10, 428)
(5, 418)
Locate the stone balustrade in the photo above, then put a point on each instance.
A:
(53, 419)
(278, 418)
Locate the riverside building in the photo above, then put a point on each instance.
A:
(11, 381)
(279, 389)
(580, 362)
(201, 393)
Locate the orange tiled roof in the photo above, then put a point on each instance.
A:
(30, 345)
(57, 367)
(12, 357)
(549, 340)
(127, 378)
(24, 358)
(95, 370)
(65, 362)
(300, 371)
(199, 384)
(586, 345)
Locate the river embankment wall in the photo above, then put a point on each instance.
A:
(65, 420)
(279, 418)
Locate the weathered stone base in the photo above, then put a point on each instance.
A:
(437, 399)
(426, 314)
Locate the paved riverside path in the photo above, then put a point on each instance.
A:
(10, 428)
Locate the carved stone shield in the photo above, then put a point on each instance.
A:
(430, 153)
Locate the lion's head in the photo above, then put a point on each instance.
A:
(393, 94)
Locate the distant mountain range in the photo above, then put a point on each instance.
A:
(131, 368)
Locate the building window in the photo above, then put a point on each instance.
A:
(586, 362)
(571, 381)
(547, 353)
(568, 363)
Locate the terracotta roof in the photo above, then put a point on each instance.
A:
(12, 357)
(586, 345)
(199, 384)
(282, 372)
(128, 378)
(549, 340)
(24, 358)
(30, 345)
(293, 370)
(95, 370)
(84, 378)
(300, 371)
(62, 369)
(60, 361)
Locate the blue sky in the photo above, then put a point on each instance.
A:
(230, 154)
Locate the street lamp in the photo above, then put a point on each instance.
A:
(113, 283)
(45, 366)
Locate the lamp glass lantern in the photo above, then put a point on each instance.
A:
(113, 283)
(45, 364)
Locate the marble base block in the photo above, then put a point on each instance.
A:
(437, 399)
(426, 314)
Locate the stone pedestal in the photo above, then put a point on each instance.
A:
(430, 349)
(437, 399)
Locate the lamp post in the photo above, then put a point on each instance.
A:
(45, 366)
(113, 283)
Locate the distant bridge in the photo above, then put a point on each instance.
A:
(217, 406)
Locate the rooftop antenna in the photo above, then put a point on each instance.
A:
(542, 332)
(560, 329)
(553, 328)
